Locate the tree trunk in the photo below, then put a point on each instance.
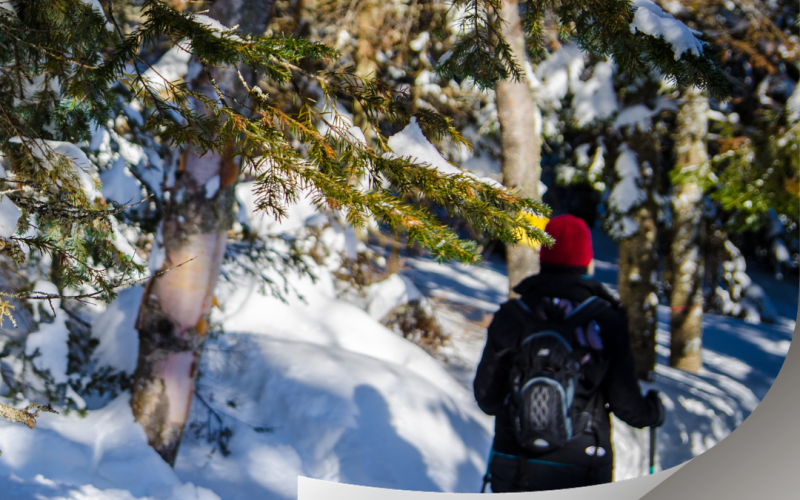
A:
(368, 20)
(173, 317)
(686, 257)
(638, 268)
(638, 263)
(519, 142)
(714, 246)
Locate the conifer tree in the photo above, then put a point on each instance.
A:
(223, 123)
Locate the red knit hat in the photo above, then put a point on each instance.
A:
(573, 246)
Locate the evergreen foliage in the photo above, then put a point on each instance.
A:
(82, 66)
(601, 28)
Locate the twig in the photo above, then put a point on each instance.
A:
(25, 416)
(49, 296)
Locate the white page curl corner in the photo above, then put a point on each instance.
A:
(630, 489)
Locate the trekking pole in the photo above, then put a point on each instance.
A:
(487, 478)
(652, 449)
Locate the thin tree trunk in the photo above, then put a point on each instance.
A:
(638, 267)
(519, 142)
(638, 264)
(173, 317)
(368, 20)
(714, 246)
(686, 257)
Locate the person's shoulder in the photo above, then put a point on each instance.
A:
(600, 290)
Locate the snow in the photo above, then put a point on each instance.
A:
(322, 319)
(425, 82)
(133, 110)
(640, 116)
(119, 184)
(259, 222)
(9, 213)
(316, 386)
(217, 28)
(95, 4)
(598, 164)
(172, 66)
(337, 415)
(559, 73)
(212, 186)
(673, 6)
(487, 168)
(101, 139)
(51, 339)
(419, 43)
(626, 193)
(83, 168)
(780, 251)
(386, 295)
(412, 144)
(793, 106)
(342, 39)
(595, 99)
(336, 117)
(582, 154)
(562, 71)
(133, 153)
(348, 400)
(115, 329)
(566, 173)
(715, 115)
(90, 458)
(651, 20)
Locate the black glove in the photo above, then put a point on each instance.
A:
(652, 395)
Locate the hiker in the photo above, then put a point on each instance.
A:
(541, 443)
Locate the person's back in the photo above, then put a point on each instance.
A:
(609, 384)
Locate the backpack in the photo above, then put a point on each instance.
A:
(560, 348)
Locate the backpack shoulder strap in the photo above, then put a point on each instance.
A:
(586, 311)
(525, 316)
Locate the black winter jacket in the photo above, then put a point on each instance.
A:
(619, 390)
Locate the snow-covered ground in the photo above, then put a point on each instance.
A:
(318, 387)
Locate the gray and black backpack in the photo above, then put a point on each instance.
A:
(559, 349)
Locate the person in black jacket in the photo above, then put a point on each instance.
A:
(587, 459)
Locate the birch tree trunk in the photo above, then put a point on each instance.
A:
(686, 257)
(638, 263)
(173, 317)
(519, 142)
